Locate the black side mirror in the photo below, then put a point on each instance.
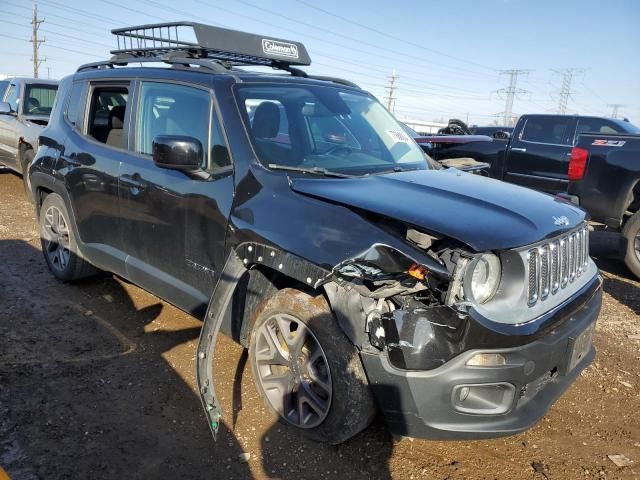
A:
(178, 152)
(5, 109)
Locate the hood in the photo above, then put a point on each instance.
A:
(484, 213)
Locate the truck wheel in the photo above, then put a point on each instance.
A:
(58, 242)
(25, 159)
(306, 370)
(631, 233)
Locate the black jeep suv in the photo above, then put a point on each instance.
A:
(295, 215)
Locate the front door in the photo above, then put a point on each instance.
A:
(539, 157)
(8, 128)
(173, 224)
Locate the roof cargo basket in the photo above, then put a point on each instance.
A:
(196, 40)
(215, 49)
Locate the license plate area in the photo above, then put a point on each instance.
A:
(579, 347)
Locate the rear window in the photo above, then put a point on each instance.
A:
(547, 130)
(38, 99)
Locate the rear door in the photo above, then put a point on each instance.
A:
(539, 155)
(96, 115)
(174, 224)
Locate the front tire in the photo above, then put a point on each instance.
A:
(58, 241)
(25, 162)
(306, 370)
(631, 233)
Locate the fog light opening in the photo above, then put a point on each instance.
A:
(484, 399)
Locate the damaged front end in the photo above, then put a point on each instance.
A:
(403, 304)
(452, 347)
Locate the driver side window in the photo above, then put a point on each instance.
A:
(172, 109)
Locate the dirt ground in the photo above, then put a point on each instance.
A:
(97, 381)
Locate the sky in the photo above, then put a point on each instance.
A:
(447, 56)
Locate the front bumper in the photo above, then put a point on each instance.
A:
(425, 403)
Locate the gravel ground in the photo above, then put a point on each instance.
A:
(97, 381)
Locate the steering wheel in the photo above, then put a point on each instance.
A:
(338, 148)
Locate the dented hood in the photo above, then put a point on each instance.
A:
(484, 213)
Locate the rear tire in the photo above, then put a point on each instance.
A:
(58, 241)
(631, 233)
(322, 368)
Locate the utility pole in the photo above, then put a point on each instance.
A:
(510, 93)
(565, 90)
(616, 107)
(35, 25)
(390, 99)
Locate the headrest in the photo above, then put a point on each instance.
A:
(266, 120)
(116, 117)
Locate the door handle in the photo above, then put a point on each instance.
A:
(134, 182)
(518, 149)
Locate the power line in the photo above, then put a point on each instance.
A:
(386, 34)
(510, 91)
(35, 23)
(565, 90)
(615, 108)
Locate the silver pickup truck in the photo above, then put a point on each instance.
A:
(25, 107)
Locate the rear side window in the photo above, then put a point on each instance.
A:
(107, 113)
(171, 109)
(75, 104)
(597, 125)
(12, 97)
(547, 130)
(38, 99)
(3, 88)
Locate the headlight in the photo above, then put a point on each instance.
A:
(483, 277)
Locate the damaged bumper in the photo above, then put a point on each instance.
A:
(427, 385)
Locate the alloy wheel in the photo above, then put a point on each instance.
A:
(293, 370)
(55, 233)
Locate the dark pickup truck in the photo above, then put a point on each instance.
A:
(537, 153)
(604, 179)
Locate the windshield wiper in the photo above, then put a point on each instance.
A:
(313, 170)
(395, 170)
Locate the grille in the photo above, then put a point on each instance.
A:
(555, 264)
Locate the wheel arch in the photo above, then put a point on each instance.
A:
(253, 272)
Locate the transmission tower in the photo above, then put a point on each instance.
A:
(510, 93)
(35, 23)
(568, 75)
(390, 99)
(615, 108)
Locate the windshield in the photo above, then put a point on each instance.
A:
(38, 99)
(326, 128)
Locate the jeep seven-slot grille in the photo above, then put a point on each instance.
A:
(554, 265)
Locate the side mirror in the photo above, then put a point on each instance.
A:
(178, 152)
(500, 135)
(5, 109)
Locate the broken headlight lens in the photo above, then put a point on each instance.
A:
(483, 277)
